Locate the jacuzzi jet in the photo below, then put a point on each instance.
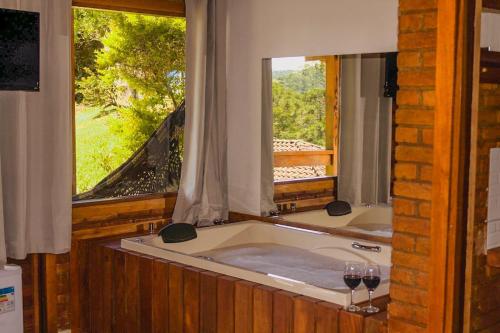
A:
(206, 258)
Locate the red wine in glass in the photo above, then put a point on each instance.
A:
(353, 273)
(371, 282)
(371, 279)
(352, 281)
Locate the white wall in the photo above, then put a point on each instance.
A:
(275, 28)
(490, 31)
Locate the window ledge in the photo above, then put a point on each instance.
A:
(107, 201)
(493, 257)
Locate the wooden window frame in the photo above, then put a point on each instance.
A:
(456, 86)
(154, 7)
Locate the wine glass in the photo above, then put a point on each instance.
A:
(353, 272)
(371, 279)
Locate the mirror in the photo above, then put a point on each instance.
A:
(332, 120)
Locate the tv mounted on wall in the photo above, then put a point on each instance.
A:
(19, 50)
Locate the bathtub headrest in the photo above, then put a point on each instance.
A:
(177, 232)
(338, 208)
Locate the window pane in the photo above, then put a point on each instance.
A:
(129, 77)
(299, 100)
(299, 111)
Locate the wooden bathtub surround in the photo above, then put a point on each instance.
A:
(131, 292)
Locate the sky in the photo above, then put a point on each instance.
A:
(289, 63)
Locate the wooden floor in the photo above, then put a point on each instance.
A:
(131, 292)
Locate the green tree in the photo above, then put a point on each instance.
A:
(130, 73)
(299, 105)
(311, 77)
(90, 26)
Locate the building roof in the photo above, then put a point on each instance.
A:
(294, 145)
(297, 172)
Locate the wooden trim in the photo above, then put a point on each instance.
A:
(73, 107)
(471, 214)
(304, 180)
(35, 271)
(450, 165)
(298, 158)
(332, 112)
(304, 185)
(147, 207)
(157, 7)
(50, 292)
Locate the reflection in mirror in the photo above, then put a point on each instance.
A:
(332, 119)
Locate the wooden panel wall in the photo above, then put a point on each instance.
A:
(104, 219)
(306, 193)
(412, 186)
(127, 291)
(485, 280)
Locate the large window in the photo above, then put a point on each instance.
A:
(305, 117)
(129, 72)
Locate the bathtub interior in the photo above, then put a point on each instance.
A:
(374, 220)
(254, 233)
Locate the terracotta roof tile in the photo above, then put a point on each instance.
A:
(298, 172)
(294, 145)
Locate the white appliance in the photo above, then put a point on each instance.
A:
(11, 299)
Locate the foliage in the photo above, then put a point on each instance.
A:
(130, 73)
(311, 77)
(90, 27)
(299, 105)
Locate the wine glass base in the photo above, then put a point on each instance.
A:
(370, 309)
(353, 308)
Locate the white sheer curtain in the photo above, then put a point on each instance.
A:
(36, 142)
(202, 196)
(365, 132)
(267, 157)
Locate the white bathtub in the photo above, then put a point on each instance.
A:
(273, 255)
(374, 220)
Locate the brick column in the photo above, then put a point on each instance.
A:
(408, 311)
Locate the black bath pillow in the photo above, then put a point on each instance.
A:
(338, 208)
(177, 232)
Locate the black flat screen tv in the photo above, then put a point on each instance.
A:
(19, 50)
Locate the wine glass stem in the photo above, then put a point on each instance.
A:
(370, 297)
(352, 296)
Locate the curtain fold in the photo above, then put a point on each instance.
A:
(202, 196)
(267, 157)
(3, 250)
(36, 142)
(365, 132)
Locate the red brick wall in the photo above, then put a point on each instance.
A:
(485, 297)
(414, 119)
